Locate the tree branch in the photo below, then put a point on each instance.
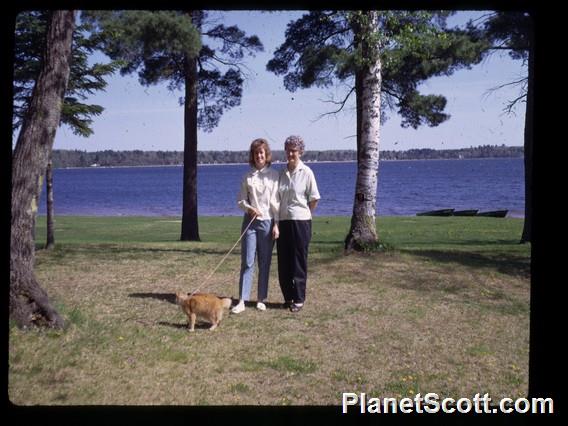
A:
(226, 40)
(243, 68)
(509, 108)
(341, 105)
(390, 93)
(229, 64)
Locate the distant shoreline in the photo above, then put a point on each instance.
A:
(137, 158)
(205, 164)
(177, 218)
(283, 163)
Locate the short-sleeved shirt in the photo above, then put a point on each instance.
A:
(259, 190)
(295, 190)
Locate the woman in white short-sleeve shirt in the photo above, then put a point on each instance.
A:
(298, 196)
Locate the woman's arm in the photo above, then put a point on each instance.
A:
(313, 204)
(243, 201)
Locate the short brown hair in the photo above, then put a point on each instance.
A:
(256, 144)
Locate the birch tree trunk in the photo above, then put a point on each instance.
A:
(189, 219)
(363, 233)
(29, 303)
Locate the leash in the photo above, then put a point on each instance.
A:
(224, 257)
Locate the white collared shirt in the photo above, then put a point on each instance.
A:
(258, 190)
(295, 190)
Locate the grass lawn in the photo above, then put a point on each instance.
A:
(445, 309)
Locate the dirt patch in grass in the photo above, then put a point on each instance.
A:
(389, 324)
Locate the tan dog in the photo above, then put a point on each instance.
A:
(203, 305)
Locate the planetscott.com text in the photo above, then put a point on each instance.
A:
(432, 403)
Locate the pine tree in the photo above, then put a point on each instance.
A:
(514, 32)
(170, 46)
(383, 56)
(85, 79)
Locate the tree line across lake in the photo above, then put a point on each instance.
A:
(110, 158)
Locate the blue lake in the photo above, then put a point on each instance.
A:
(405, 188)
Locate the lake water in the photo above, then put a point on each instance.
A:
(405, 188)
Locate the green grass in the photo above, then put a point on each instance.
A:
(405, 233)
(445, 309)
(478, 241)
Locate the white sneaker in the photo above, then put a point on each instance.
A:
(238, 308)
(261, 306)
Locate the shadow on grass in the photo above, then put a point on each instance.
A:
(171, 298)
(338, 243)
(269, 305)
(504, 263)
(192, 250)
(164, 297)
(323, 257)
(106, 249)
(463, 242)
(181, 326)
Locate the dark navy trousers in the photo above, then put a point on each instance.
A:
(292, 245)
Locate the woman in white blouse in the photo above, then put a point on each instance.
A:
(257, 197)
(298, 197)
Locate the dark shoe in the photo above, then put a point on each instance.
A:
(287, 304)
(295, 308)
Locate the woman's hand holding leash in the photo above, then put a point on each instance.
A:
(254, 212)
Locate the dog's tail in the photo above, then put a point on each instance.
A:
(227, 302)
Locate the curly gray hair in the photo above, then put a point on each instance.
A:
(294, 142)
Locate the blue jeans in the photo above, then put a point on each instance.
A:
(257, 242)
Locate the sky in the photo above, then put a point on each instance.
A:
(151, 119)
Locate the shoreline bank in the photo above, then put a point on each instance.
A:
(282, 163)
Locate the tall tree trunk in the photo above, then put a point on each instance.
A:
(363, 233)
(29, 303)
(189, 219)
(50, 240)
(528, 150)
